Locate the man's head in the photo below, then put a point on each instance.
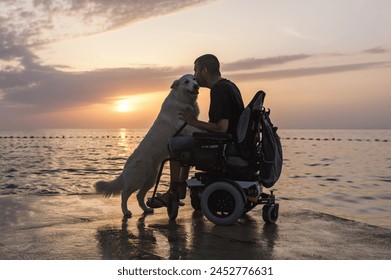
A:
(206, 69)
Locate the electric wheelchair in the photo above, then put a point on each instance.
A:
(227, 182)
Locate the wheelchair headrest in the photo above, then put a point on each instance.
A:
(257, 102)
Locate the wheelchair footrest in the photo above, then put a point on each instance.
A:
(264, 199)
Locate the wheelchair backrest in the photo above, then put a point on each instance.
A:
(248, 129)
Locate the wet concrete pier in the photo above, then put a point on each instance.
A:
(90, 227)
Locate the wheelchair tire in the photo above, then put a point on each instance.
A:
(173, 207)
(195, 198)
(222, 203)
(270, 213)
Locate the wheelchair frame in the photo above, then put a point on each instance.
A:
(222, 200)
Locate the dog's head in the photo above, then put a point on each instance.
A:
(186, 84)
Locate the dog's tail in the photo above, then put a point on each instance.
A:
(109, 188)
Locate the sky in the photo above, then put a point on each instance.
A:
(110, 64)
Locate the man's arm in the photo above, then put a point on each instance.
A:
(219, 127)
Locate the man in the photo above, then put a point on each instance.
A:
(226, 102)
(226, 105)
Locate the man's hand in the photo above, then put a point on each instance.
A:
(188, 116)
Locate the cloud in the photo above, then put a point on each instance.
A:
(308, 71)
(47, 89)
(377, 50)
(255, 63)
(252, 63)
(36, 22)
(28, 24)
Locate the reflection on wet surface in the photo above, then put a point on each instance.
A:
(90, 227)
(191, 238)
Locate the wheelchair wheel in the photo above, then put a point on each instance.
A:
(222, 203)
(270, 213)
(195, 198)
(173, 206)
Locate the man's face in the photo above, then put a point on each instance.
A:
(200, 75)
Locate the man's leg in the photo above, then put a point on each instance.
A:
(178, 176)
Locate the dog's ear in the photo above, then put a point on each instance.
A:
(175, 84)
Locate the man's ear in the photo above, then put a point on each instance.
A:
(175, 84)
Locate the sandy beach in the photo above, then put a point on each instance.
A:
(88, 227)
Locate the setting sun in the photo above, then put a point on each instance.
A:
(123, 106)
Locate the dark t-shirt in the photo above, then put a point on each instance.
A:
(226, 103)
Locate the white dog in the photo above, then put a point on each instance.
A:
(142, 167)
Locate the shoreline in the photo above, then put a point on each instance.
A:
(89, 227)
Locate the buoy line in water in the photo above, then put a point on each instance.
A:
(139, 137)
(335, 139)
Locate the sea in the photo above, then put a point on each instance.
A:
(346, 173)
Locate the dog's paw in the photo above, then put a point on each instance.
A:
(127, 214)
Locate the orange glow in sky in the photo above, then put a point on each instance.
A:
(123, 106)
(323, 64)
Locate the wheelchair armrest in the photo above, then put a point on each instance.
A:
(212, 136)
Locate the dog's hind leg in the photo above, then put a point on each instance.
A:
(126, 193)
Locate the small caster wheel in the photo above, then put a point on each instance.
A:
(172, 207)
(270, 213)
